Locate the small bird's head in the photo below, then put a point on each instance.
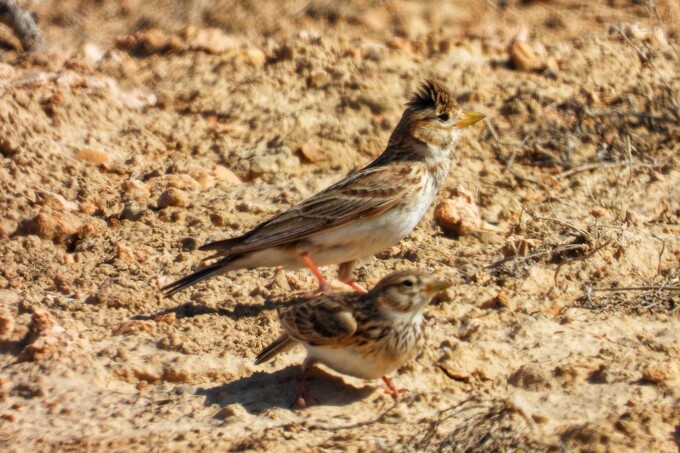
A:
(434, 117)
(407, 292)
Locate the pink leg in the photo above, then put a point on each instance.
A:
(324, 287)
(355, 286)
(301, 396)
(345, 276)
(391, 389)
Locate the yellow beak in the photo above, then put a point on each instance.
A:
(469, 118)
(439, 285)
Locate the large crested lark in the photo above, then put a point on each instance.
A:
(361, 215)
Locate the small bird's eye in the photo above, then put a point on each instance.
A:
(443, 117)
(407, 283)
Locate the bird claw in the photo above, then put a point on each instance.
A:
(394, 393)
(301, 399)
(391, 390)
(299, 403)
(324, 288)
(355, 286)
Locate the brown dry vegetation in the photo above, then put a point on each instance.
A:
(146, 128)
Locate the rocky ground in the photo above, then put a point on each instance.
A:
(145, 129)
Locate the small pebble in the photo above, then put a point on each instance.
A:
(182, 181)
(54, 226)
(167, 318)
(459, 215)
(55, 201)
(210, 40)
(251, 57)
(522, 56)
(598, 212)
(93, 156)
(660, 373)
(232, 410)
(222, 173)
(204, 179)
(124, 253)
(134, 189)
(6, 322)
(173, 197)
(312, 152)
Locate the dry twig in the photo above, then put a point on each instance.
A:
(476, 424)
(652, 5)
(646, 58)
(586, 244)
(636, 288)
(511, 159)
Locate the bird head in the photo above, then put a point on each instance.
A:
(434, 117)
(407, 291)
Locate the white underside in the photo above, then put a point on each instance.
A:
(359, 239)
(350, 362)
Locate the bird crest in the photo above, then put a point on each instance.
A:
(432, 95)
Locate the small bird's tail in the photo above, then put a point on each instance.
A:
(281, 344)
(195, 277)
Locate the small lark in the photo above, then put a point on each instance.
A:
(363, 335)
(363, 214)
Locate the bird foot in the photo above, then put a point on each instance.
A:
(396, 392)
(355, 286)
(324, 288)
(391, 390)
(302, 397)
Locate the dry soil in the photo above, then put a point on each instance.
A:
(146, 128)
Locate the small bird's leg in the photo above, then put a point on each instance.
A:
(345, 276)
(324, 287)
(301, 396)
(391, 389)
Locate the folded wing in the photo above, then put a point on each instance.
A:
(318, 322)
(364, 194)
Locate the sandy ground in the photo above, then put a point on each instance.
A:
(148, 128)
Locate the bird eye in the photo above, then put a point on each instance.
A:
(407, 283)
(443, 117)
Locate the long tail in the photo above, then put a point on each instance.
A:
(281, 344)
(195, 277)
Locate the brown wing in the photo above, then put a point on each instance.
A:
(320, 321)
(366, 193)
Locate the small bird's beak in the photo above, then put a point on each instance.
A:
(439, 285)
(469, 118)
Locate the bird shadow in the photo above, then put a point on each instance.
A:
(236, 312)
(262, 391)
